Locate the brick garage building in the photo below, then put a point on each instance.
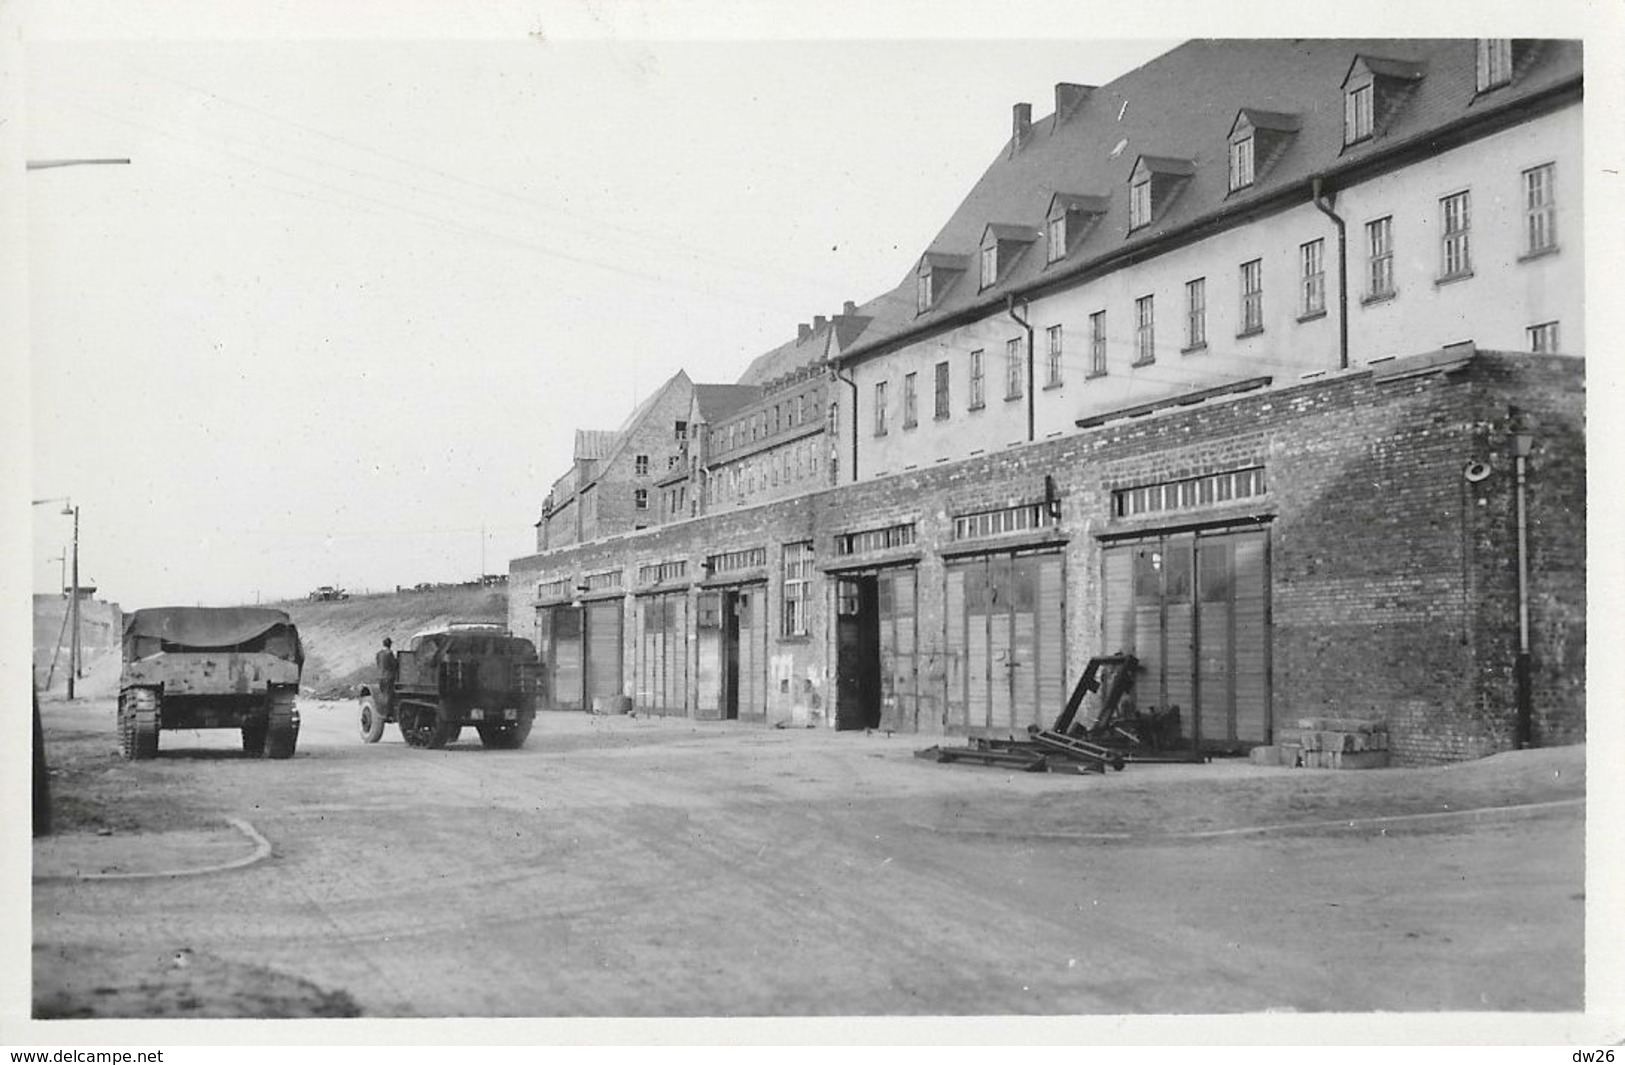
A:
(1346, 545)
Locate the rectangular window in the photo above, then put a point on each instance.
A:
(1252, 297)
(910, 401)
(1494, 63)
(680, 430)
(978, 381)
(880, 408)
(1357, 114)
(942, 391)
(1543, 338)
(797, 577)
(1057, 238)
(1312, 278)
(1189, 493)
(1012, 369)
(1379, 251)
(641, 465)
(1139, 204)
(1540, 210)
(1456, 251)
(601, 582)
(922, 294)
(1097, 343)
(1145, 338)
(1241, 163)
(640, 499)
(1196, 314)
(990, 265)
(857, 543)
(731, 561)
(998, 522)
(1052, 362)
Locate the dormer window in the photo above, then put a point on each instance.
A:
(1153, 185)
(1494, 63)
(1257, 139)
(1002, 245)
(1241, 163)
(1358, 114)
(1068, 220)
(1374, 90)
(934, 276)
(1139, 203)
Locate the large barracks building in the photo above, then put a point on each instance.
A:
(1263, 363)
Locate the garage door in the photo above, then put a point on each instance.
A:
(1195, 610)
(662, 671)
(560, 641)
(1006, 665)
(603, 649)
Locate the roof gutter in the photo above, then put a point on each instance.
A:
(1010, 309)
(1324, 204)
(836, 373)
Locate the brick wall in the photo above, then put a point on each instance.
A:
(1393, 579)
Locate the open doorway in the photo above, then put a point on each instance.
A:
(857, 652)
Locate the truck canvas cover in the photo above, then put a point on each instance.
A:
(176, 628)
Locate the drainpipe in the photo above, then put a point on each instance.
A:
(854, 386)
(1523, 441)
(1010, 309)
(1325, 207)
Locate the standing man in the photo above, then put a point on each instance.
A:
(387, 669)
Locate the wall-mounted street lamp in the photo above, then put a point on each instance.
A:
(1521, 426)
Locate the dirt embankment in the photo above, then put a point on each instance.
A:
(342, 637)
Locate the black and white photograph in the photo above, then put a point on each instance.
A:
(594, 522)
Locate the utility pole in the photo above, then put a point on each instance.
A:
(73, 654)
(73, 646)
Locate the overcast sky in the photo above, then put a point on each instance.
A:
(339, 319)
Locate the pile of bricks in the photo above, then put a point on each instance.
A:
(1328, 743)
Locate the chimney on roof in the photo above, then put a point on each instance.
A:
(849, 308)
(819, 322)
(1021, 126)
(1068, 96)
(803, 331)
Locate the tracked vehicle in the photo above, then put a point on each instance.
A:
(468, 673)
(210, 667)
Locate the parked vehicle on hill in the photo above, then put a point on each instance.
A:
(210, 667)
(328, 594)
(468, 673)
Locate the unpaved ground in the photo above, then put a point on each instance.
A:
(631, 867)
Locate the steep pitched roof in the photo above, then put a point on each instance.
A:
(1182, 106)
(716, 402)
(594, 443)
(641, 411)
(821, 342)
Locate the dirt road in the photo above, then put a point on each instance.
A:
(632, 867)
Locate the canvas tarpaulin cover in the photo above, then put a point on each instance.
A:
(176, 627)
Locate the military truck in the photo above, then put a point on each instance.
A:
(467, 673)
(210, 667)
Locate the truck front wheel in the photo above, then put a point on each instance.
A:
(372, 720)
